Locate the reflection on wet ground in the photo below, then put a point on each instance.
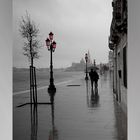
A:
(75, 113)
(34, 122)
(53, 133)
(92, 96)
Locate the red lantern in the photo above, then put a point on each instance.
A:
(47, 42)
(54, 44)
(51, 36)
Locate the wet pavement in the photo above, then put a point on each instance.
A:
(75, 115)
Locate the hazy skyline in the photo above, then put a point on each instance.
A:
(79, 26)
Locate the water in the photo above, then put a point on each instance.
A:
(21, 79)
(75, 115)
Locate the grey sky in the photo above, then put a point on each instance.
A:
(78, 26)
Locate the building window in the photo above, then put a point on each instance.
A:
(124, 67)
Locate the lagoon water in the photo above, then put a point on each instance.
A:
(21, 79)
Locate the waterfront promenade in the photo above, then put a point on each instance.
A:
(75, 115)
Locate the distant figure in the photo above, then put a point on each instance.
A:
(94, 78)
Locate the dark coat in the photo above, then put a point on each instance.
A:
(93, 75)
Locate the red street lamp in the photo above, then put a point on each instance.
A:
(86, 58)
(51, 36)
(51, 45)
(47, 42)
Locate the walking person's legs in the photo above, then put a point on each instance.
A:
(96, 87)
(96, 84)
(91, 83)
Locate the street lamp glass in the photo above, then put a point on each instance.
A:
(47, 42)
(51, 36)
(54, 44)
(86, 57)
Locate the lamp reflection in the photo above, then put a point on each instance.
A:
(53, 132)
(53, 135)
(88, 99)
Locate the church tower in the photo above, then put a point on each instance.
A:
(89, 59)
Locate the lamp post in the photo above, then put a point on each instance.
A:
(86, 58)
(51, 45)
(94, 63)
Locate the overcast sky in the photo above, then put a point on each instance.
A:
(78, 26)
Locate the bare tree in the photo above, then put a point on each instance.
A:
(30, 32)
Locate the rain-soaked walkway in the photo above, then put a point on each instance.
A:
(75, 115)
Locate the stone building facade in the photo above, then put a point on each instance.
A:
(118, 45)
(110, 61)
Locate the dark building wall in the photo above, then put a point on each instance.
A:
(118, 44)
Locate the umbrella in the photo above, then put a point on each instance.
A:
(93, 67)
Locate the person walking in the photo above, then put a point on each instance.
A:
(94, 78)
